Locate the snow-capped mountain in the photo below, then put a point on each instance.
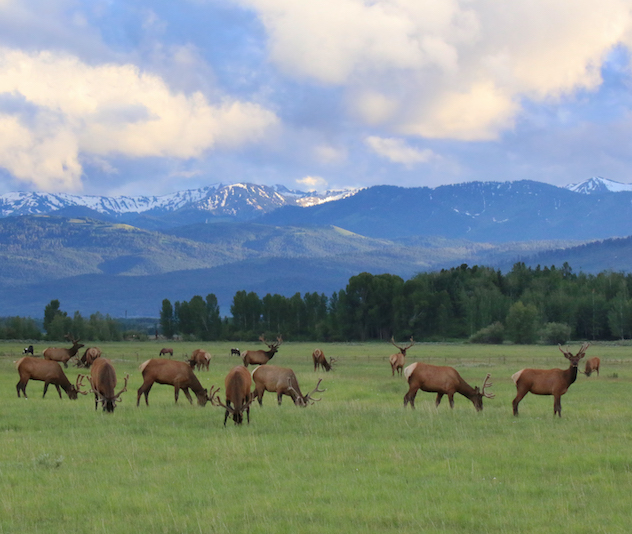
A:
(597, 184)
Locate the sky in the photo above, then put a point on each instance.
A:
(148, 97)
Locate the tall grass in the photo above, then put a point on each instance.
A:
(354, 462)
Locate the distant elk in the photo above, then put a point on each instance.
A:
(49, 372)
(238, 396)
(28, 350)
(173, 373)
(281, 381)
(167, 350)
(199, 359)
(320, 361)
(89, 355)
(235, 352)
(548, 381)
(261, 357)
(592, 364)
(103, 381)
(63, 355)
(398, 360)
(442, 381)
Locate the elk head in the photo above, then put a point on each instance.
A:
(403, 349)
(574, 359)
(108, 403)
(480, 393)
(304, 400)
(74, 391)
(274, 346)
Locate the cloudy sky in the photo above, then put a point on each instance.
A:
(153, 96)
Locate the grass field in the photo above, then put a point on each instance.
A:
(354, 462)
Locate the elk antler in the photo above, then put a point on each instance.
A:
(79, 384)
(116, 397)
(308, 397)
(487, 384)
(403, 349)
(211, 396)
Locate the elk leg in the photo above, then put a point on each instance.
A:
(45, 389)
(143, 389)
(248, 414)
(58, 390)
(96, 401)
(279, 397)
(410, 397)
(259, 395)
(438, 399)
(176, 392)
(516, 401)
(227, 411)
(188, 395)
(21, 386)
(451, 399)
(557, 406)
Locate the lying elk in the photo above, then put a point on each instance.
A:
(164, 351)
(442, 381)
(90, 354)
(63, 355)
(398, 360)
(261, 357)
(199, 359)
(319, 360)
(103, 381)
(238, 396)
(173, 373)
(592, 364)
(49, 372)
(548, 381)
(281, 381)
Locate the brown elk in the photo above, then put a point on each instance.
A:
(199, 359)
(548, 381)
(90, 354)
(49, 372)
(261, 357)
(442, 381)
(398, 360)
(63, 355)
(592, 364)
(281, 381)
(173, 373)
(238, 396)
(103, 381)
(167, 350)
(319, 360)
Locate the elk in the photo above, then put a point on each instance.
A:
(442, 381)
(164, 351)
(90, 354)
(238, 396)
(592, 364)
(173, 373)
(102, 382)
(235, 352)
(398, 360)
(281, 381)
(261, 357)
(49, 372)
(199, 359)
(548, 381)
(319, 360)
(63, 355)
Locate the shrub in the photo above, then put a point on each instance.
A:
(494, 334)
(555, 333)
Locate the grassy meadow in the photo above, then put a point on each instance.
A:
(354, 462)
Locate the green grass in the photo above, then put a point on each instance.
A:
(354, 462)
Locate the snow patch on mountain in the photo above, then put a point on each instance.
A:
(597, 184)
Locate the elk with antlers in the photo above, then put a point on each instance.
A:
(49, 372)
(548, 381)
(592, 364)
(261, 357)
(200, 359)
(103, 381)
(173, 373)
(319, 360)
(238, 396)
(281, 381)
(90, 354)
(442, 381)
(398, 360)
(63, 355)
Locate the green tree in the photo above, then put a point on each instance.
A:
(167, 324)
(521, 324)
(51, 312)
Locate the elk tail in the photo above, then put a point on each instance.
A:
(516, 376)
(409, 370)
(143, 365)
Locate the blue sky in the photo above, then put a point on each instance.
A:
(149, 97)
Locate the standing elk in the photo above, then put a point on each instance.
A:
(592, 364)
(199, 359)
(442, 381)
(28, 350)
(238, 396)
(261, 357)
(103, 381)
(281, 381)
(167, 350)
(548, 381)
(235, 352)
(319, 360)
(49, 372)
(173, 373)
(398, 360)
(63, 355)
(90, 354)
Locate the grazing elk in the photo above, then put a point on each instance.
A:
(235, 352)
(281, 381)
(173, 373)
(398, 360)
(103, 381)
(49, 372)
(592, 364)
(28, 350)
(319, 360)
(261, 357)
(63, 355)
(167, 350)
(442, 381)
(548, 381)
(238, 396)
(199, 359)
(90, 354)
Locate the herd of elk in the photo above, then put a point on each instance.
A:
(200, 359)
(548, 381)
(320, 361)
(592, 364)
(47, 371)
(238, 395)
(442, 381)
(281, 381)
(89, 355)
(173, 373)
(103, 381)
(63, 355)
(398, 360)
(261, 357)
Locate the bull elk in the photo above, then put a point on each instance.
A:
(238, 396)
(199, 359)
(49, 372)
(261, 357)
(281, 381)
(319, 360)
(548, 381)
(398, 360)
(63, 355)
(442, 381)
(592, 364)
(173, 373)
(103, 381)
(90, 354)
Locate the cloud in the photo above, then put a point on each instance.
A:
(397, 151)
(313, 183)
(71, 108)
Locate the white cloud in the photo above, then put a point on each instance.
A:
(397, 151)
(313, 183)
(329, 154)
